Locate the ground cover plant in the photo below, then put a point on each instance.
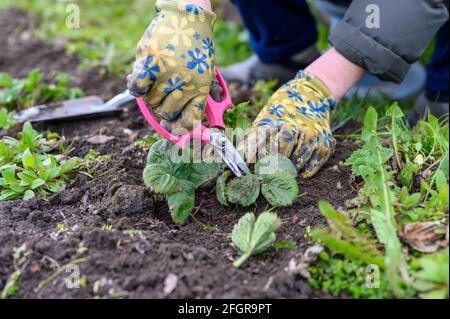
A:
(28, 169)
(20, 94)
(405, 186)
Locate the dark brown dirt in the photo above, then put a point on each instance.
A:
(22, 53)
(132, 244)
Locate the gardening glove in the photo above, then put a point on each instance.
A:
(295, 123)
(174, 65)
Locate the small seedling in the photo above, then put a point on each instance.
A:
(254, 236)
(286, 244)
(20, 256)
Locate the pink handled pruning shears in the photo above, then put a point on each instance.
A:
(214, 113)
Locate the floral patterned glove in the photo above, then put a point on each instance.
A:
(295, 123)
(175, 63)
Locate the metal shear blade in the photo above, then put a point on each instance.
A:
(229, 154)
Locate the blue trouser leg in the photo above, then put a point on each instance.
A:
(438, 69)
(278, 28)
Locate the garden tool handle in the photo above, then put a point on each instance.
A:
(214, 113)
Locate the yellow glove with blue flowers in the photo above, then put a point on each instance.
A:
(295, 123)
(174, 65)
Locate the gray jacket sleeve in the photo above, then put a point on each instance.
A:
(406, 27)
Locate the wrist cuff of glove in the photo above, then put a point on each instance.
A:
(315, 84)
(186, 9)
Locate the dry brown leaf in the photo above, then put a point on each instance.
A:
(424, 236)
(301, 266)
(100, 139)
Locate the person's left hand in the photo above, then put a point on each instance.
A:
(295, 123)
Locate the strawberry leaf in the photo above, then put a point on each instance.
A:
(244, 191)
(280, 189)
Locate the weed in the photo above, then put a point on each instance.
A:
(286, 244)
(147, 141)
(390, 163)
(20, 94)
(27, 170)
(92, 160)
(433, 277)
(6, 120)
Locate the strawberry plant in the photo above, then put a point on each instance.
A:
(178, 181)
(26, 168)
(254, 236)
(274, 178)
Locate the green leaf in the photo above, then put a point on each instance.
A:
(412, 200)
(286, 244)
(243, 123)
(9, 173)
(6, 80)
(280, 189)
(263, 234)
(275, 163)
(181, 206)
(347, 232)
(33, 80)
(441, 180)
(407, 174)
(28, 159)
(29, 136)
(29, 194)
(17, 187)
(221, 188)
(242, 232)
(7, 194)
(37, 183)
(56, 186)
(254, 237)
(160, 152)
(433, 278)
(444, 197)
(202, 173)
(346, 248)
(160, 179)
(68, 166)
(27, 176)
(52, 173)
(244, 191)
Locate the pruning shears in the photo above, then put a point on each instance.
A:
(214, 134)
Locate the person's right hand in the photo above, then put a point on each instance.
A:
(174, 66)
